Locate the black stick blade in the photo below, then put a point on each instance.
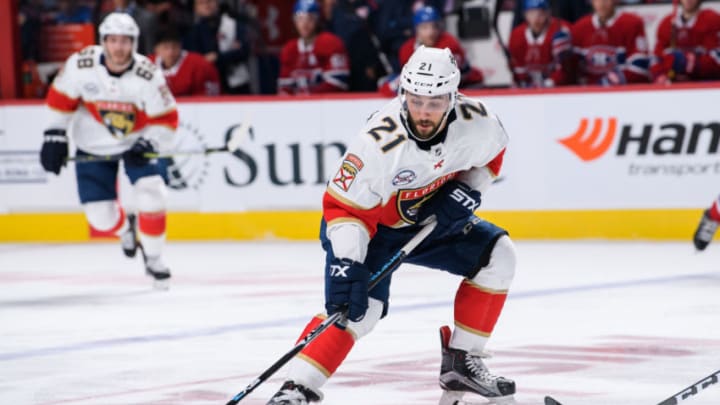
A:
(551, 401)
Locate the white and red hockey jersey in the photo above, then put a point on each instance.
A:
(106, 114)
(385, 176)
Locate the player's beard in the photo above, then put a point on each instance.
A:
(424, 129)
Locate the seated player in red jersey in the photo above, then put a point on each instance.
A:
(610, 46)
(430, 33)
(540, 48)
(687, 46)
(187, 73)
(316, 61)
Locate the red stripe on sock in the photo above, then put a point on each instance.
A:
(152, 223)
(715, 211)
(330, 348)
(476, 308)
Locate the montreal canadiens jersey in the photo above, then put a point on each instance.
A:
(699, 35)
(106, 114)
(191, 75)
(535, 59)
(319, 67)
(618, 45)
(384, 176)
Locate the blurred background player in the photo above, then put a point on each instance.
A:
(223, 40)
(316, 61)
(187, 73)
(540, 48)
(708, 226)
(611, 46)
(373, 206)
(429, 32)
(687, 45)
(113, 101)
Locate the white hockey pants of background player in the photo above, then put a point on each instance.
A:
(480, 299)
(151, 197)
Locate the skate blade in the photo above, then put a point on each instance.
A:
(457, 398)
(451, 398)
(161, 285)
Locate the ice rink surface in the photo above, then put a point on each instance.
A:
(587, 322)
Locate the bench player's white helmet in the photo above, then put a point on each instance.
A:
(119, 24)
(430, 72)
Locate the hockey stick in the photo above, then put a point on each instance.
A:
(387, 268)
(237, 136)
(506, 51)
(692, 389)
(681, 396)
(673, 35)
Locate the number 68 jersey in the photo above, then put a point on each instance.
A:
(106, 113)
(385, 176)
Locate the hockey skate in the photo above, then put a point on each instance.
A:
(155, 268)
(294, 394)
(705, 231)
(128, 239)
(462, 372)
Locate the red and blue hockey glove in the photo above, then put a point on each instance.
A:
(452, 206)
(681, 62)
(346, 287)
(135, 156)
(54, 150)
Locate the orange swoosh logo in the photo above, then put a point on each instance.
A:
(590, 144)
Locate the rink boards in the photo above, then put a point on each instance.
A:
(619, 164)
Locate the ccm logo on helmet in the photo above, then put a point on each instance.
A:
(464, 199)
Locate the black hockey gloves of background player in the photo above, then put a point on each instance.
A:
(452, 206)
(346, 287)
(135, 156)
(54, 150)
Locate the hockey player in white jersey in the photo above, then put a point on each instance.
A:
(112, 101)
(430, 151)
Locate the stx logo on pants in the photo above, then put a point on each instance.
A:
(590, 144)
(337, 270)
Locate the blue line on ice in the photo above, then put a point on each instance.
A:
(236, 327)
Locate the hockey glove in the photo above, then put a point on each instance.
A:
(346, 287)
(135, 156)
(452, 206)
(681, 62)
(614, 77)
(174, 175)
(54, 150)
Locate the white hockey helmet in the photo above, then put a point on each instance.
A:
(119, 24)
(430, 72)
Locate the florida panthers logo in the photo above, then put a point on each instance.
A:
(119, 118)
(409, 201)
